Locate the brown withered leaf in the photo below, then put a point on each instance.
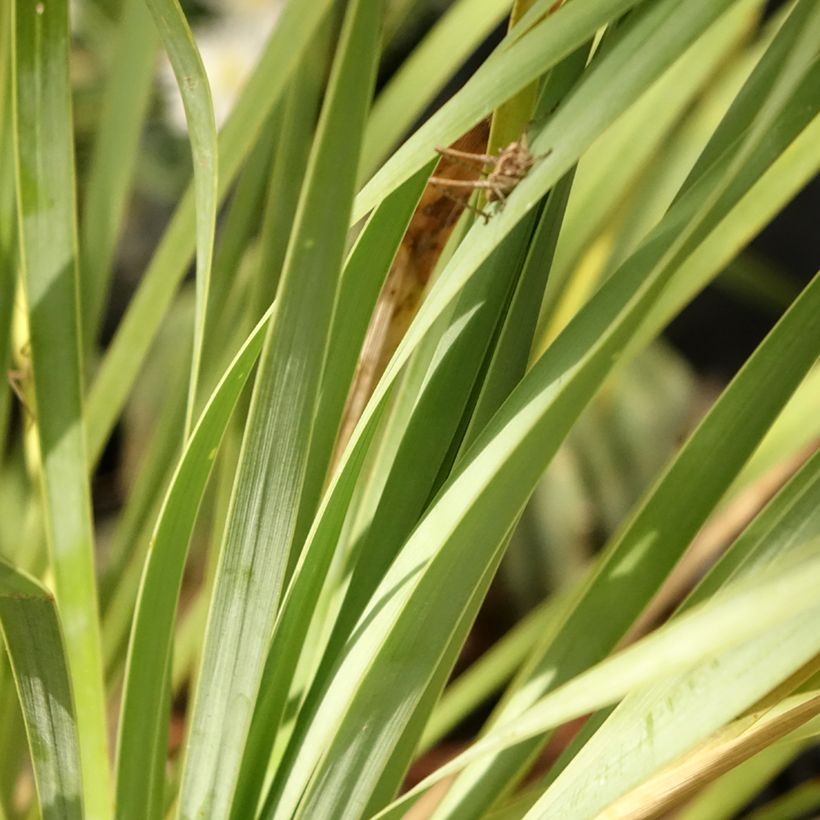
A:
(430, 227)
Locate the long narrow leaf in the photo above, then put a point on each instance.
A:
(522, 62)
(326, 530)
(48, 260)
(259, 534)
(444, 545)
(565, 655)
(713, 628)
(34, 641)
(199, 113)
(144, 721)
(363, 276)
(463, 27)
(122, 361)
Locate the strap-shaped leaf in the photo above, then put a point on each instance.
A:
(258, 541)
(48, 263)
(124, 105)
(425, 72)
(594, 94)
(143, 728)
(517, 63)
(364, 274)
(192, 82)
(31, 629)
(123, 359)
(564, 655)
(715, 633)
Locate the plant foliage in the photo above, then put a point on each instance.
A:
(381, 399)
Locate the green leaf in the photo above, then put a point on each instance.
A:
(729, 794)
(788, 522)
(228, 285)
(515, 67)
(130, 345)
(352, 728)
(48, 260)
(493, 669)
(565, 655)
(719, 634)
(422, 455)
(609, 170)
(143, 727)
(8, 280)
(31, 629)
(357, 281)
(363, 276)
(258, 540)
(681, 710)
(192, 82)
(592, 95)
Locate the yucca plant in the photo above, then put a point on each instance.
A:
(374, 385)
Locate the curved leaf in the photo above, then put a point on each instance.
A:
(31, 630)
(123, 359)
(143, 728)
(48, 262)
(259, 537)
(199, 112)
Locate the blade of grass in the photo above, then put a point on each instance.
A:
(131, 540)
(795, 430)
(490, 672)
(299, 116)
(31, 630)
(8, 280)
(241, 222)
(258, 539)
(566, 652)
(48, 260)
(679, 712)
(729, 748)
(514, 345)
(362, 278)
(505, 368)
(302, 112)
(612, 165)
(192, 82)
(446, 392)
(727, 796)
(143, 728)
(123, 107)
(511, 119)
(658, 186)
(127, 352)
(785, 524)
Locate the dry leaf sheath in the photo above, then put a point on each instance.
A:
(428, 232)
